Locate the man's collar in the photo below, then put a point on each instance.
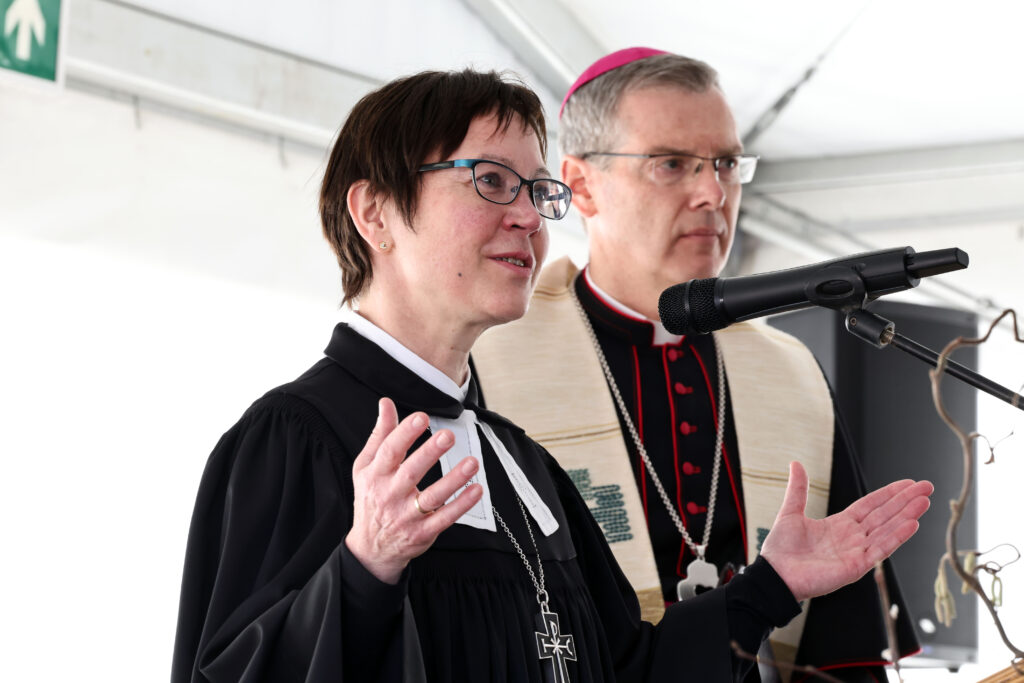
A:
(652, 329)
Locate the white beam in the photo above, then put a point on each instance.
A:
(545, 35)
(127, 49)
(913, 165)
(979, 216)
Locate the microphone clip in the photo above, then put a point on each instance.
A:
(871, 327)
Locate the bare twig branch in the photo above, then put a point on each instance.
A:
(779, 666)
(889, 614)
(952, 555)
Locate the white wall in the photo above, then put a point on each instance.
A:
(156, 280)
(119, 376)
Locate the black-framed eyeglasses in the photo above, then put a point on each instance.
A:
(672, 167)
(498, 183)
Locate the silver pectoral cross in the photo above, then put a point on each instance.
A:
(554, 645)
(700, 574)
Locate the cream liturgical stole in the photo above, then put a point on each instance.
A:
(542, 373)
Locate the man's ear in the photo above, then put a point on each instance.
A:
(367, 210)
(577, 173)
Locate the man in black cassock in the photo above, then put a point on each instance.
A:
(651, 152)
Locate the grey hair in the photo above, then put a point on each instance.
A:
(589, 121)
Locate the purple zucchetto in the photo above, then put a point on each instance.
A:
(609, 63)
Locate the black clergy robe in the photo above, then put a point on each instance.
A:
(270, 591)
(671, 392)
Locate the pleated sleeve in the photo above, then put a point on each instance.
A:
(269, 590)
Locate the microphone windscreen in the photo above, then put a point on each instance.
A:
(689, 308)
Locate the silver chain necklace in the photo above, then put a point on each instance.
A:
(552, 644)
(700, 572)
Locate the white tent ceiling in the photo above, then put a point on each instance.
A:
(895, 75)
(901, 115)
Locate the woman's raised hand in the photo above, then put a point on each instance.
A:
(393, 521)
(818, 556)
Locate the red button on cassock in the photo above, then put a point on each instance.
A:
(686, 428)
(682, 389)
(690, 468)
(695, 509)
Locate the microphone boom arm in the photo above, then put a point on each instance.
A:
(880, 333)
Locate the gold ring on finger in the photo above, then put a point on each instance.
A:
(419, 509)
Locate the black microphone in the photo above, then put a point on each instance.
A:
(844, 284)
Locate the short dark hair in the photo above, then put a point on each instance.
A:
(392, 131)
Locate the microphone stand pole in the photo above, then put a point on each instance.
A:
(881, 333)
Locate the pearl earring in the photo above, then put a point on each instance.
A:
(384, 245)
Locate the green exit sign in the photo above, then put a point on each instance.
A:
(28, 42)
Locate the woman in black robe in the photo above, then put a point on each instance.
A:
(372, 520)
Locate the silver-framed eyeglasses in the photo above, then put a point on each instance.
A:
(668, 168)
(498, 183)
